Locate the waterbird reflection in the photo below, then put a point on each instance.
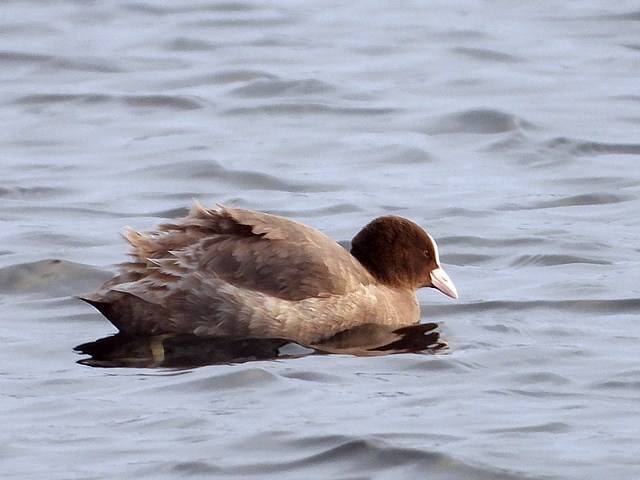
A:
(188, 351)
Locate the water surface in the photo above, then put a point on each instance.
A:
(509, 131)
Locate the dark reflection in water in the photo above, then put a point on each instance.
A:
(187, 351)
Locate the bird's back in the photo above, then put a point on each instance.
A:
(202, 268)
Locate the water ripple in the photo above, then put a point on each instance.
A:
(218, 78)
(279, 88)
(229, 6)
(485, 54)
(586, 199)
(479, 120)
(175, 102)
(547, 260)
(184, 44)
(604, 306)
(207, 169)
(8, 57)
(98, 65)
(49, 278)
(308, 109)
(550, 427)
(367, 455)
(586, 147)
(34, 192)
(468, 258)
(476, 241)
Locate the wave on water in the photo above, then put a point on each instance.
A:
(308, 108)
(479, 121)
(277, 88)
(341, 456)
(247, 179)
(49, 278)
(595, 306)
(174, 102)
(586, 147)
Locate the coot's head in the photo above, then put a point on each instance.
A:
(399, 253)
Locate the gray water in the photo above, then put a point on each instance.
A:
(509, 130)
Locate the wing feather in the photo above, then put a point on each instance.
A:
(249, 250)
